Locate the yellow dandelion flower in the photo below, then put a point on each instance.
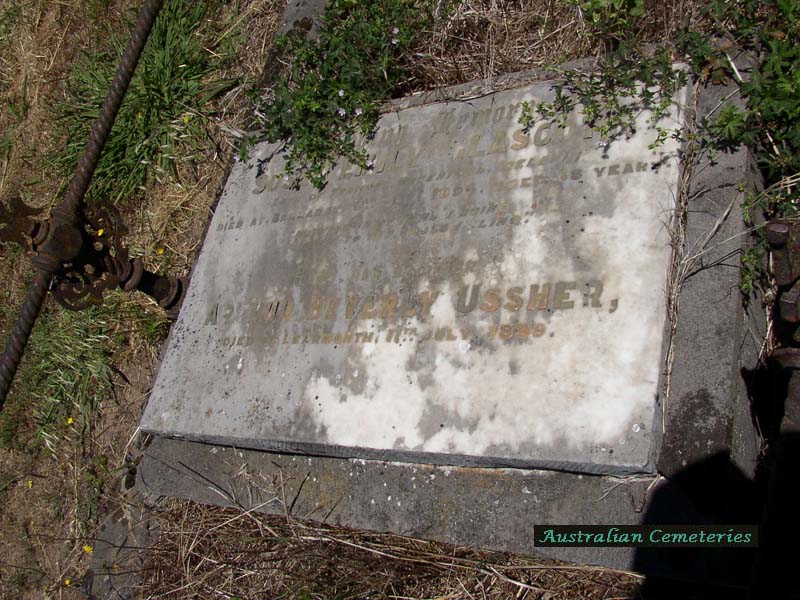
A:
(70, 421)
(100, 232)
(160, 250)
(88, 549)
(67, 582)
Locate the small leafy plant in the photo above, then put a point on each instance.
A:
(624, 84)
(627, 79)
(612, 20)
(326, 101)
(769, 32)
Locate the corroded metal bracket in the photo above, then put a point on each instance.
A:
(17, 225)
(783, 237)
(67, 249)
(89, 254)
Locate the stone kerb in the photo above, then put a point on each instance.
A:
(486, 297)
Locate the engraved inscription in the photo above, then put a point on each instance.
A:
(516, 307)
(481, 291)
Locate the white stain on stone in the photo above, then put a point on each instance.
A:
(443, 311)
(567, 391)
(374, 418)
(554, 398)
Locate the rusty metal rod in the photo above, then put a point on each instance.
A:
(47, 262)
(108, 112)
(22, 331)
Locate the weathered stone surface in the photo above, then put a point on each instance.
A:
(465, 506)
(482, 296)
(302, 16)
(716, 336)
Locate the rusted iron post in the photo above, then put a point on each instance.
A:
(63, 239)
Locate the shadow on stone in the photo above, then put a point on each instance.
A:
(721, 494)
(767, 388)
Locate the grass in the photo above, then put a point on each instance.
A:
(18, 105)
(8, 17)
(162, 121)
(70, 372)
(58, 477)
(164, 115)
(13, 106)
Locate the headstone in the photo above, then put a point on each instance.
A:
(483, 295)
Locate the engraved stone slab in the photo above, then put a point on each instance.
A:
(482, 296)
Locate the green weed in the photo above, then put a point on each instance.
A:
(13, 421)
(625, 83)
(69, 370)
(163, 118)
(769, 124)
(151, 325)
(328, 98)
(18, 106)
(611, 20)
(20, 580)
(628, 80)
(768, 31)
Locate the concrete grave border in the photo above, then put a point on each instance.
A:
(708, 424)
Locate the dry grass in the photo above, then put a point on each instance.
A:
(204, 552)
(52, 501)
(167, 227)
(481, 39)
(43, 495)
